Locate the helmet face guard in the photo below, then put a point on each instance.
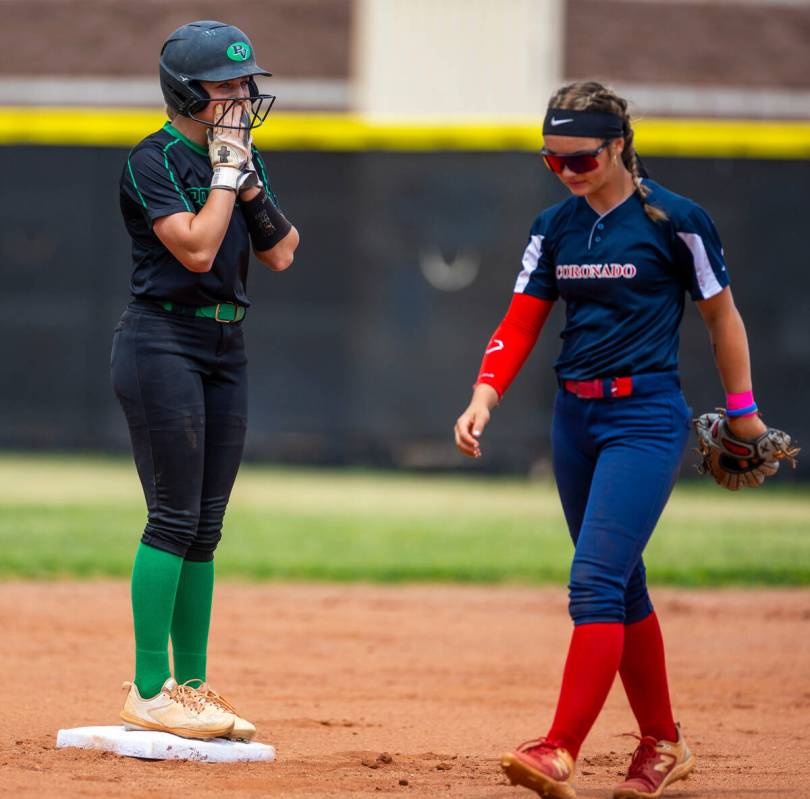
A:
(211, 51)
(260, 105)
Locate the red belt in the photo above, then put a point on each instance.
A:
(597, 389)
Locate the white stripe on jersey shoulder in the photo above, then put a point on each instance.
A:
(531, 257)
(707, 282)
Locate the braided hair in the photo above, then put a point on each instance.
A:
(592, 96)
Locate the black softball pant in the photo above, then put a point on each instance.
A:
(182, 383)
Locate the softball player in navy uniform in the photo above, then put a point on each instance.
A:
(622, 252)
(195, 199)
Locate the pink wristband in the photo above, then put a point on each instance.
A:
(736, 402)
(741, 405)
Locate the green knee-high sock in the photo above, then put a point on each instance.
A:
(192, 618)
(154, 585)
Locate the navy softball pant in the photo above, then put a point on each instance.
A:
(182, 383)
(615, 462)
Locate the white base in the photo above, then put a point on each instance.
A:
(163, 745)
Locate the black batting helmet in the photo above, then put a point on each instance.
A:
(212, 51)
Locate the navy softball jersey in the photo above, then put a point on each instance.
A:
(166, 174)
(623, 279)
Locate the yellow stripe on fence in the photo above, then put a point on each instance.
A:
(119, 127)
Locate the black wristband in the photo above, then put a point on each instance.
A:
(265, 222)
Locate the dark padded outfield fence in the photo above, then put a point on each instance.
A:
(365, 350)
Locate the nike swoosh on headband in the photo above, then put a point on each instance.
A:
(556, 122)
(497, 344)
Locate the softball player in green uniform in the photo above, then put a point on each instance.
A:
(195, 200)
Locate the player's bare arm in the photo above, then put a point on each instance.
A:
(280, 257)
(470, 425)
(195, 239)
(730, 345)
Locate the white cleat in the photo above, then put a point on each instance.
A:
(242, 730)
(177, 709)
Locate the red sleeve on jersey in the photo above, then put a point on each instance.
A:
(512, 341)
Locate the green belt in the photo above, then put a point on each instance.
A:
(223, 312)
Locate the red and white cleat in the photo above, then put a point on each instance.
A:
(542, 765)
(655, 765)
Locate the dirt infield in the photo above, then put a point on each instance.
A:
(440, 678)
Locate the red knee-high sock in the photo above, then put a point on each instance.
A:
(593, 660)
(644, 673)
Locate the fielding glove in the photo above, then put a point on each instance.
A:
(735, 463)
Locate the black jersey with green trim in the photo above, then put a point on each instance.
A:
(167, 173)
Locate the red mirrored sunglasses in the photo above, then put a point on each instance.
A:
(578, 163)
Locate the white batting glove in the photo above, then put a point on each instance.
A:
(229, 148)
(250, 178)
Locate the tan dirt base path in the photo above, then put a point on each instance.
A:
(440, 678)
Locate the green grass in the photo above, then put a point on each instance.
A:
(66, 516)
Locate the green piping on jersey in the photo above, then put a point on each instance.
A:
(258, 158)
(688, 138)
(171, 174)
(267, 187)
(135, 183)
(172, 131)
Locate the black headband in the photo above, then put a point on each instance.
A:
(588, 124)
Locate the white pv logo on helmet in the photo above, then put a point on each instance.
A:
(238, 51)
